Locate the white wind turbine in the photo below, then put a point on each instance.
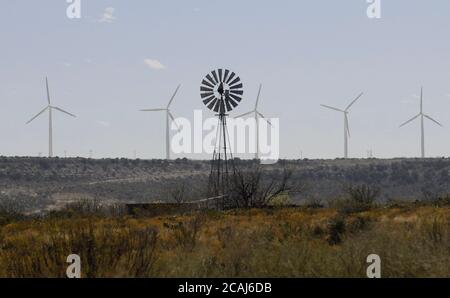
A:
(257, 115)
(422, 129)
(49, 107)
(346, 126)
(168, 117)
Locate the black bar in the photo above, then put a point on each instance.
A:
(225, 287)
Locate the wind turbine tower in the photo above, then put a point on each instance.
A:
(169, 116)
(346, 125)
(422, 128)
(257, 115)
(50, 109)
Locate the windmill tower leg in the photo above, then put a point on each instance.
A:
(222, 162)
(225, 178)
(50, 133)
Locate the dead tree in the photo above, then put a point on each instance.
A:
(178, 193)
(254, 189)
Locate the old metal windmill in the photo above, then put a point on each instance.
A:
(221, 91)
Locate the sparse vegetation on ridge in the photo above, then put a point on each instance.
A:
(42, 184)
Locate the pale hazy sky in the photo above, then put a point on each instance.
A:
(122, 56)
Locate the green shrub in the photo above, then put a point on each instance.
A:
(336, 229)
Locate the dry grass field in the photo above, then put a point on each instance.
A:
(413, 240)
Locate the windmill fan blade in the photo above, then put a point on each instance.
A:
(225, 77)
(233, 103)
(227, 103)
(238, 86)
(332, 108)
(238, 79)
(215, 76)
(173, 96)
(245, 114)
(230, 100)
(153, 110)
(65, 112)
(435, 121)
(209, 78)
(240, 92)
(230, 78)
(173, 119)
(217, 106)
(207, 100)
(206, 83)
(236, 97)
(207, 94)
(220, 75)
(358, 97)
(212, 103)
(262, 116)
(410, 120)
(207, 89)
(45, 109)
(48, 91)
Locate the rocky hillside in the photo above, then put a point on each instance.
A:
(42, 183)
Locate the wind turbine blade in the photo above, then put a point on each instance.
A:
(173, 119)
(153, 110)
(257, 98)
(245, 114)
(435, 121)
(173, 96)
(359, 96)
(45, 109)
(421, 100)
(48, 91)
(410, 120)
(347, 125)
(262, 116)
(329, 107)
(61, 110)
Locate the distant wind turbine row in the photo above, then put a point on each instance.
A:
(255, 113)
(421, 115)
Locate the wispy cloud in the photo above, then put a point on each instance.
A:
(67, 64)
(108, 15)
(154, 64)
